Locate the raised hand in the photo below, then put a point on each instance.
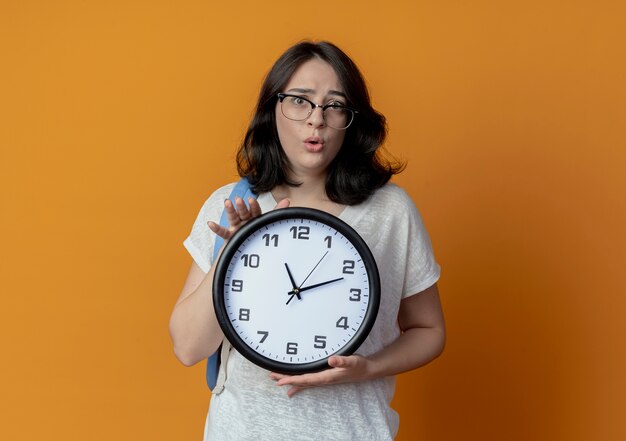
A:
(238, 214)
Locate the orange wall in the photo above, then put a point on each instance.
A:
(118, 118)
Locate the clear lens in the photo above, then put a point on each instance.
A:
(337, 117)
(296, 108)
(299, 109)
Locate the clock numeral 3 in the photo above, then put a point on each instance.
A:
(301, 232)
(251, 260)
(320, 342)
(348, 266)
(342, 322)
(356, 295)
(244, 315)
(236, 285)
(264, 334)
(292, 348)
(273, 238)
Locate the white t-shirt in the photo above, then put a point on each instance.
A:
(252, 407)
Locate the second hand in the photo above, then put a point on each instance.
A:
(297, 290)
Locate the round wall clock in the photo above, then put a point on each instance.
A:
(295, 286)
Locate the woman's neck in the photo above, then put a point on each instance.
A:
(311, 193)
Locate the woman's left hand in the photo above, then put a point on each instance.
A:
(343, 370)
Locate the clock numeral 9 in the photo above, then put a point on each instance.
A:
(301, 232)
(244, 315)
(236, 285)
(356, 295)
(251, 260)
(273, 238)
(292, 348)
(320, 342)
(264, 334)
(348, 266)
(342, 322)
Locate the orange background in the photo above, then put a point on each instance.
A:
(118, 118)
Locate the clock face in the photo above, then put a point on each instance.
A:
(295, 286)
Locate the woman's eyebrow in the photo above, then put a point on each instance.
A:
(308, 91)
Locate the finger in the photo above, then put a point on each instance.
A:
(293, 390)
(284, 203)
(308, 380)
(255, 208)
(231, 213)
(222, 232)
(274, 376)
(339, 361)
(242, 209)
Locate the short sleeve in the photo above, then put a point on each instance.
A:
(201, 239)
(422, 270)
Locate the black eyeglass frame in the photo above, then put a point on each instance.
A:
(282, 96)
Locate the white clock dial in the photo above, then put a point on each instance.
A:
(296, 288)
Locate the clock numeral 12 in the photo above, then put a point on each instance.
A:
(301, 232)
(272, 238)
(292, 348)
(342, 322)
(251, 260)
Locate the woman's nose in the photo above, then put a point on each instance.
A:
(316, 118)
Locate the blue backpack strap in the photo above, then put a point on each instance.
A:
(242, 190)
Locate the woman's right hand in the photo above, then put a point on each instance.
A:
(193, 326)
(238, 214)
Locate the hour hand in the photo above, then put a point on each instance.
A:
(294, 285)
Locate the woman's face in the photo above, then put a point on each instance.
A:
(311, 145)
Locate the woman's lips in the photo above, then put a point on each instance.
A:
(314, 144)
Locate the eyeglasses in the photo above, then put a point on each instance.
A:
(298, 108)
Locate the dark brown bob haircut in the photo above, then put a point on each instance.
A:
(357, 170)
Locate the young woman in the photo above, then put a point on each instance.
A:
(314, 142)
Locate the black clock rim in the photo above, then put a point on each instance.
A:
(284, 214)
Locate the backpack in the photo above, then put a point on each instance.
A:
(214, 380)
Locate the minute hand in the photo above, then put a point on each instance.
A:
(317, 285)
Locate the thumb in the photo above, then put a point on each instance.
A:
(284, 203)
(337, 361)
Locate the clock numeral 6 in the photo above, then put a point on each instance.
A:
(244, 315)
(236, 285)
(320, 342)
(356, 295)
(292, 348)
(342, 322)
(251, 260)
(264, 334)
(348, 266)
(301, 232)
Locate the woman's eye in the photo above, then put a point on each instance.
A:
(297, 101)
(335, 106)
